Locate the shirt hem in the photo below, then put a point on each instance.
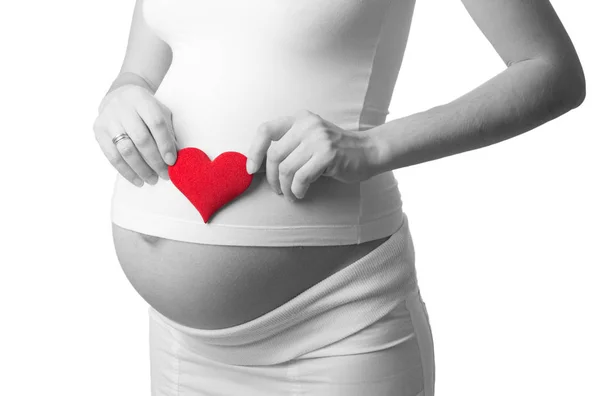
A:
(240, 235)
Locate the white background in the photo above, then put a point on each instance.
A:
(506, 236)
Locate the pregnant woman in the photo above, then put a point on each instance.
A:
(304, 283)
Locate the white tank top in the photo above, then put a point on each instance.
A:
(237, 64)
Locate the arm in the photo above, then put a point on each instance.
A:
(543, 80)
(147, 58)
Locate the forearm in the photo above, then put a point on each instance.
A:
(126, 78)
(522, 97)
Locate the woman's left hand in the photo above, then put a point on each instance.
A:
(301, 148)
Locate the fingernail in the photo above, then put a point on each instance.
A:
(138, 182)
(250, 166)
(170, 158)
(153, 179)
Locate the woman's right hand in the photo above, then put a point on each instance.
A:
(134, 110)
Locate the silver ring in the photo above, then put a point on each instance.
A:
(120, 137)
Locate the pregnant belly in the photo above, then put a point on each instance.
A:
(215, 286)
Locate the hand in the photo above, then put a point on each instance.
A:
(301, 148)
(134, 110)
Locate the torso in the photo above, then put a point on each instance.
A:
(213, 286)
(236, 65)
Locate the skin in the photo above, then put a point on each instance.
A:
(543, 80)
(217, 286)
(145, 119)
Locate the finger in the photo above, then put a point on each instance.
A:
(272, 171)
(131, 155)
(158, 119)
(278, 152)
(143, 139)
(266, 133)
(289, 167)
(263, 167)
(116, 160)
(308, 174)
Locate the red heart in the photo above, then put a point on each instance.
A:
(207, 184)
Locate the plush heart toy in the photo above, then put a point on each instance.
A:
(207, 184)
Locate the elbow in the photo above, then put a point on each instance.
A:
(578, 89)
(565, 81)
(571, 85)
(572, 88)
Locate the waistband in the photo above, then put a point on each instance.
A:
(337, 307)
